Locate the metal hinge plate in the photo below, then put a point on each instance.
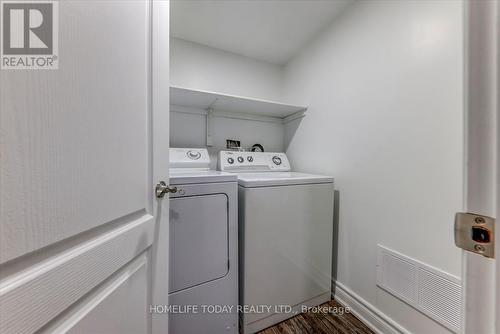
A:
(475, 233)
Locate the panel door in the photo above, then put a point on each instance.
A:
(78, 222)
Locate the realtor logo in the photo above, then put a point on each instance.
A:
(29, 34)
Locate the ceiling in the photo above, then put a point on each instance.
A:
(269, 30)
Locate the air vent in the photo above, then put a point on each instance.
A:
(440, 297)
(433, 292)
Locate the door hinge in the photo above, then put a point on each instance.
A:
(475, 233)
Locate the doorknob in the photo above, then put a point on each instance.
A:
(162, 189)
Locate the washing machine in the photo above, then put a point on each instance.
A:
(285, 237)
(203, 254)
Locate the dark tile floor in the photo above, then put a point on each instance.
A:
(321, 323)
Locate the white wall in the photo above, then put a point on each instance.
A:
(200, 67)
(188, 130)
(384, 88)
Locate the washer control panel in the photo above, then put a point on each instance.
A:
(252, 161)
(189, 158)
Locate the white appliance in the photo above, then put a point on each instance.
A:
(285, 237)
(203, 267)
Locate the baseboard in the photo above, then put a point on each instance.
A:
(369, 314)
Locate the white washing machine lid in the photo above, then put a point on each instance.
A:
(269, 179)
(187, 176)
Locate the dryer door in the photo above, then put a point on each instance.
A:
(198, 240)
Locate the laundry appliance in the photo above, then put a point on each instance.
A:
(203, 250)
(285, 237)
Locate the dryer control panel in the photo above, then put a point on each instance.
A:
(235, 161)
(197, 158)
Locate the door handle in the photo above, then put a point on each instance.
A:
(162, 188)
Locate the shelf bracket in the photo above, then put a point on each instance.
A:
(210, 115)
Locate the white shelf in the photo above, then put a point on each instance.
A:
(230, 104)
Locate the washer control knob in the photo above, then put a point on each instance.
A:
(230, 160)
(250, 158)
(277, 160)
(240, 159)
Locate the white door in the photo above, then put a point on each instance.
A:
(83, 240)
(482, 135)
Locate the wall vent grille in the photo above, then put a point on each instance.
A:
(431, 291)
